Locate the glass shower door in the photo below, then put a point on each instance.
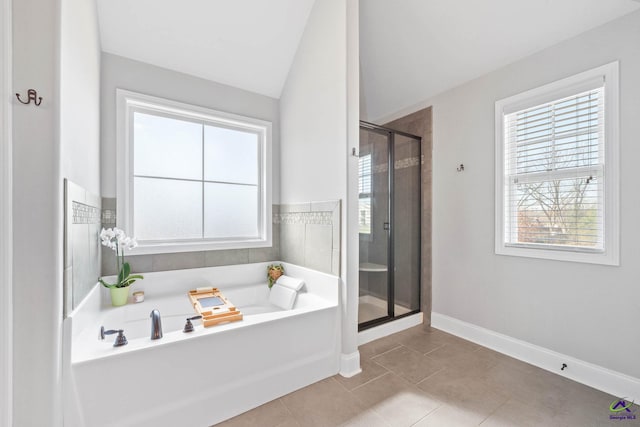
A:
(373, 216)
(390, 209)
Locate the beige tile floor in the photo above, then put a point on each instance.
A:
(429, 378)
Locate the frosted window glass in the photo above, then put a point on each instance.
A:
(230, 155)
(230, 210)
(166, 147)
(165, 209)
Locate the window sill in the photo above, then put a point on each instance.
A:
(176, 247)
(603, 258)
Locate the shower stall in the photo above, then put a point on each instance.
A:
(389, 224)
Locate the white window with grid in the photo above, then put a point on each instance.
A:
(557, 170)
(190, 178)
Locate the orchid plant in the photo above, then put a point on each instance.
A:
(117, 240)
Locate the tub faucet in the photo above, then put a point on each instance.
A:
(156, 325)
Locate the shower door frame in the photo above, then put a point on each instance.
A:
(391, 138)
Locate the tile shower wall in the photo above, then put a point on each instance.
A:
(310, 235)
(184, 260)
(81, 245)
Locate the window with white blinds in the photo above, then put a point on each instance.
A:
(556, 149)
(364, 194)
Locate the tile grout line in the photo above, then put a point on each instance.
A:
(372, 379)
(389, 372)
(431, 351)
(495, 410)
(384, 420)
(388, 351)
(429, 376)
(428, 414)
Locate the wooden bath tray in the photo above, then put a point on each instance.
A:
(214, 308)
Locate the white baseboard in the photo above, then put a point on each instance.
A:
(389, 328)
(598, 377)
(350, 364)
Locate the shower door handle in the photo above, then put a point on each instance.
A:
(386, 226)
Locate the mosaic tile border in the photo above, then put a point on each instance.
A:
(399, 164)
(85, 214)
(109, 217)
(319, 218)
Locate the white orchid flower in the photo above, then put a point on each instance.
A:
(116, 239)
(132, 244)
(123, 242)
(106, 236)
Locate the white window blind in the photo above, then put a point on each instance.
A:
(557, 170)
(364, 190)
(554, 164)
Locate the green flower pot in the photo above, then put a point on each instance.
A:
(119, 296)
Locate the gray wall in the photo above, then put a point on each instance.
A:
(124, 73)
(571, 308)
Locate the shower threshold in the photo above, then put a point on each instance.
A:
(371, 308)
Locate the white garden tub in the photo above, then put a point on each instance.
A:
(203, 377)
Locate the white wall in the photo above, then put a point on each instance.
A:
(124, 73)
(37, 214)
(590, 312)
(80, 93)
(313, 109)
(56, 51)
(351, 235)
(6, 243)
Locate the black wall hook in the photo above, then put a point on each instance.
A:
(32, 95)
(460, 168)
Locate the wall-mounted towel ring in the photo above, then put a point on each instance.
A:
(32, 95)
(460, 168)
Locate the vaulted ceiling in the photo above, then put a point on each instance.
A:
(248, 44)
(411, 50)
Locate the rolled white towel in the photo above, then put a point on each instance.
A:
(282, 297)
(290, 282)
